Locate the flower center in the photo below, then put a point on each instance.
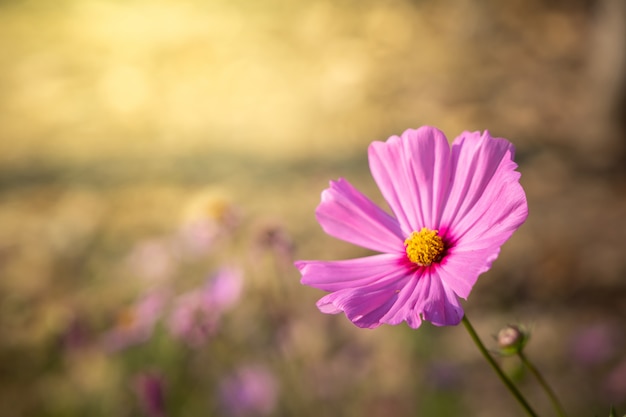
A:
(424, 247)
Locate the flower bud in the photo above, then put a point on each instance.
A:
(512, 339)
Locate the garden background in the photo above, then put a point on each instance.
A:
(147, 146)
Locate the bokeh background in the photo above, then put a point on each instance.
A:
(160, 164)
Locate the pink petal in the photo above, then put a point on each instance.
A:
(412, 173)
(364, 306)
(485, 192)
(404, 309)
(459, 270)
(373, 293)
(425, 297)
(399, 297)
(441, 306)
(347, 214)
(350, 273)
(486, 205)
(500, 212)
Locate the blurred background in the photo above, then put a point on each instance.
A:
(161, 161)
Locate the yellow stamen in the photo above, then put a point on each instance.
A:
(424, 247)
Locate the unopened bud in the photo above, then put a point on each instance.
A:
(512, 339)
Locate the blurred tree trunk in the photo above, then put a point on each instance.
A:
(604, 141)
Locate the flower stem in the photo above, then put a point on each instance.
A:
(505, 380)
(544, 384)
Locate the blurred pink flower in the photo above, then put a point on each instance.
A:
(152, 259)
(196, 314)
(136, 323)
(209, 217)
(150, 388)
(454, 207)
(198, 236)
(250, 391)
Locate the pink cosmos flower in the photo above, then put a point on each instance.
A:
(453, 206)
(196, 314)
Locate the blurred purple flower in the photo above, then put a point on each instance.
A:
(615, 383)
(454, 208)
(196, 314)
(150, 390)
(136, 323)
(595, 344)
(250, 391)
(192, 319)
(275, 239)
(443, 376)
(76, 334)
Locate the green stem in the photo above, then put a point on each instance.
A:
(505, 380)
(544, 384)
